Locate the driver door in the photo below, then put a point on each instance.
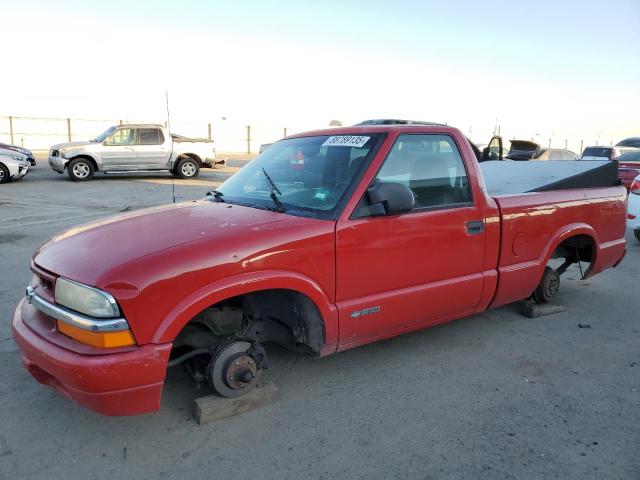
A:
(118, 151)
(396, 273)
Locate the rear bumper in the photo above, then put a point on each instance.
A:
(213, 162)
(124, 383)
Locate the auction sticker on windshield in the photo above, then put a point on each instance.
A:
(357, 141)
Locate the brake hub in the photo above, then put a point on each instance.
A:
(233, 370)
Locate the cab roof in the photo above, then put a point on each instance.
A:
(379, 126)
(141, 125)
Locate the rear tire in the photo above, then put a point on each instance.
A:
(4, 174)
(548, 287)
(80, 170)
(187, 168)
(636, 233)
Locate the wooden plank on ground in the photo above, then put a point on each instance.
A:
(214, 407)
(531, 309)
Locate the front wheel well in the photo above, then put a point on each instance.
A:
(86, 157)
(286, 317)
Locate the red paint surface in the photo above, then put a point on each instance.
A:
(165, 265)
(126, 383)
(627, 171)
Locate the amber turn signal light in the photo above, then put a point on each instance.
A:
(122, 338)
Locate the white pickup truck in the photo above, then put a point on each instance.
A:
(133, 148)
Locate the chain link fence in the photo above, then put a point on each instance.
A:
(40, 133)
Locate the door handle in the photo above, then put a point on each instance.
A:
(475, 226)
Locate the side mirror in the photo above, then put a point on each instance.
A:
(390, 199)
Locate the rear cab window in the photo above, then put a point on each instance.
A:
(600, 152)
(150, 136)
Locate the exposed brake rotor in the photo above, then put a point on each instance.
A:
(236, 368)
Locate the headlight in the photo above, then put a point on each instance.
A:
(84, 299)
(18, 158)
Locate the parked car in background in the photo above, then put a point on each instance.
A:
(633, 207)
(600, 153)
(522, 150)
(629, 142)
(24, 151)
(133, 149)
(555, 154)
(13, 165)
(628, 167)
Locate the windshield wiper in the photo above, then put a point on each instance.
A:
(216, 194)
(274, 192)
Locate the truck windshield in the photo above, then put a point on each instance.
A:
(310, 176)
(103, 136)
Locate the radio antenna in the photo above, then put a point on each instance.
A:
(173, 184)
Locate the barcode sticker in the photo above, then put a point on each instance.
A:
(357, 141)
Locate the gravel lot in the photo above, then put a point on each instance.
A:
(493, 396)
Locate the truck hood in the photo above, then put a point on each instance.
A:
(68, 145)
(86, 252)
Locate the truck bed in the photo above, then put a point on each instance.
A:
(514, 177)
(533, 224)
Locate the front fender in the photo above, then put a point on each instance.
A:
(215, 292)
(70, 156)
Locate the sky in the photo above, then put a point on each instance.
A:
(545, 69)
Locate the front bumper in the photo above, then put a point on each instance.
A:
(121, 383)
(56, 164)
(22, 171)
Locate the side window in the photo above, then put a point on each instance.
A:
(150, 136)
(122, 136)
(431, 166)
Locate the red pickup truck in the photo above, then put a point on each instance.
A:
(328, 240)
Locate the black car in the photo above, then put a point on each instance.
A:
(523, 150)
(629, 142)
